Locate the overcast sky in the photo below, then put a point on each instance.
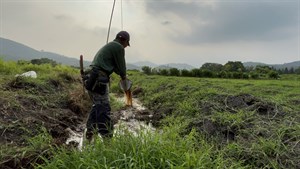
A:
(162, 31)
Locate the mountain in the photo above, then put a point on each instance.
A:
(178, 66)
(130, 66)
(290, 65)
(145, 63)
(11, 50)
(163, 66)
(254, 64)
(294, 65)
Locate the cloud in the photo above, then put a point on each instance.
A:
(228, 21)
(162, 31)
(166, 23)
(62, 17)
(52, 26)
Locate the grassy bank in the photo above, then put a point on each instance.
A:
(204, 123)
(35, 112)
(201, 122)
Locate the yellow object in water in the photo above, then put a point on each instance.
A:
(125, 85)
(128, 98)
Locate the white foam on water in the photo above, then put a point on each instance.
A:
(126, 123)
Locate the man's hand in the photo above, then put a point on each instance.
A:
(125, 84)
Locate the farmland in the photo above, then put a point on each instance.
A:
(200, 122)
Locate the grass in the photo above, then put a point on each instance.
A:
(147, 150)
(29, 104)
(207, 123)
(254, 115)
(263, 134)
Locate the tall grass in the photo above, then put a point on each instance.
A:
(254, 135)
(200, 128)
(146, 150)
(25, 103)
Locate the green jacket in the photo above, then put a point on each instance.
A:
(111, 58)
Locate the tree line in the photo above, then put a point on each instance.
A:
(232, 69)
(38, 61)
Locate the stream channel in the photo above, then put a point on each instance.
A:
(131, 119)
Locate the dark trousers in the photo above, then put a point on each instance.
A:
(99, 121)
(99, 118)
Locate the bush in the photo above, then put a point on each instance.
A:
(273, 74)
(146, 70)
(174, 72)
(237, 75)
(223, 74)
(254, 75)
(164, 72)
(185, 73)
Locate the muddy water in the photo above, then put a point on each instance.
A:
(128, 121)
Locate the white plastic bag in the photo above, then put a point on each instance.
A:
(31, 74)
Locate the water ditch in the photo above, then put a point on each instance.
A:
(133, 119)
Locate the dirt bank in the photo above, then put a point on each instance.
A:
(59, 107)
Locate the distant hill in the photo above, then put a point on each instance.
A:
(290, 65)
(164, 66)
(11, 50)
(130, 66)
(145, 63)
(178, 66)
(253, 64)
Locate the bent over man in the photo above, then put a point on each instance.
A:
(110, 58)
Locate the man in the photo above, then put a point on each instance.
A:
(110, 58)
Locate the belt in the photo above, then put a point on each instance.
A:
(103, 72)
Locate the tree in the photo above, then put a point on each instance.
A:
(237, 75)
(286, 71)
(196, 72)
(185, 73)
(273, 74)
(262, 70)
(146, 70)
(254, 75)
(164, 72)
(215, 67)
(174, 72)
(236, 66)
(297, 70)
(43, 61)
(154, 71)
(23, 62)
(223, 74)
(207, 73)
(291, 71)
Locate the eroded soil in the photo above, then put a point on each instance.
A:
(23, 115)
(228, 130)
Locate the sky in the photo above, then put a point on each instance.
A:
(161, 31)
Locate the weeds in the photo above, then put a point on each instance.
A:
(147, 150)
(205, 123)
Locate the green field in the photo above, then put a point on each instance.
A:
(201, 122)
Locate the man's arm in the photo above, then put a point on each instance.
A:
(120, 63)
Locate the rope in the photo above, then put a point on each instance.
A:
(121, 15)
(112, 12)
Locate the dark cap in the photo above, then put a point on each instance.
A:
(124, 35)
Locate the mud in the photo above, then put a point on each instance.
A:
(62, 111)
(65, 119)
(232, 104)
(134, 119)
(28, 107)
